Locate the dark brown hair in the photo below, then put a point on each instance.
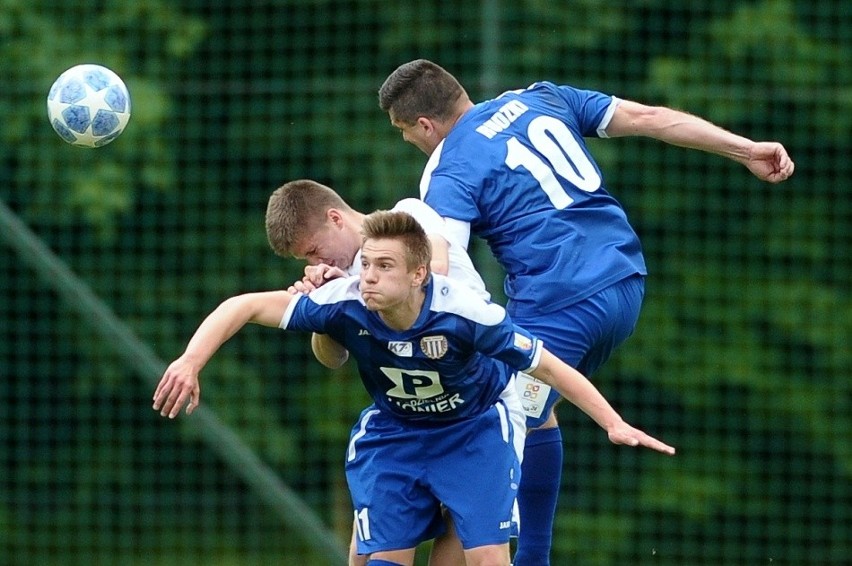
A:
(420, 88)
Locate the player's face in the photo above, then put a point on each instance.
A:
(386, 281)
(421, 134)
(331, 244)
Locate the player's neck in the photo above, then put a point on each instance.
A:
(463, 108)
(403, 315)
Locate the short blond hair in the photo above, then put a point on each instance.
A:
(384, 224)
(296, 209)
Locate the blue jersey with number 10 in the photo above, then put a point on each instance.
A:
(516, 168)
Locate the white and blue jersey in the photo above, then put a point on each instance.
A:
(443, 414)
(454, 362)
(517, 170)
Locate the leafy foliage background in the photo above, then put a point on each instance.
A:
(742, 357)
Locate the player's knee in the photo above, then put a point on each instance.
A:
(490, 555)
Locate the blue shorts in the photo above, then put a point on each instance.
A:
(399, 475)
(582, 335)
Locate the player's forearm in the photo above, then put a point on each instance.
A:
(574, 386)
(678, 128)
(440, 254)
(328, 352)
(228, 318)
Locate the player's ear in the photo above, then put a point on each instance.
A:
(421, 273)
(335, 217)
(425, 124)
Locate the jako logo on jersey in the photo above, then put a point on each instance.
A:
(502, 119)
(434, 346)
(401, 349)
(505, 524)
(522, 342)
(363, 332)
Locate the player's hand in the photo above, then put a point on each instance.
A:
(178, 386)
(301, 287)
(320, 274)
(769, 161)
(623, 433)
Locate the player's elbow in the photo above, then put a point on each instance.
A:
(333, 361)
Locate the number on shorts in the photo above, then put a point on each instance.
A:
(362, 523)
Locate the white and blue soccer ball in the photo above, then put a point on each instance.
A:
(88, 106)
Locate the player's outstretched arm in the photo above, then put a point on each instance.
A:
(574, 386)
(768, 161)
(179, 384)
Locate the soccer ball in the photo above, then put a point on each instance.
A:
(88, 106)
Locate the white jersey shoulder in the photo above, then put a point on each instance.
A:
(454, 297)
(424, 214)
(336, 291)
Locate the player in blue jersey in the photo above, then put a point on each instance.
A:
(311, 221)
(516, 171)
(437, 361)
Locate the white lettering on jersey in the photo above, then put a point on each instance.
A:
(401, 349)
(502, 119)
(431, 405)
(420, 391)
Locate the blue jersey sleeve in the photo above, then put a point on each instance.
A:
(322, 311)
(588, 107)
(510, 344)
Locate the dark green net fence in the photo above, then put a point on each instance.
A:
(110, 258)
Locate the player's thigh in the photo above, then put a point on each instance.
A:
(474, 470)
(393, 508)
(623, 302)
(355, 559)
(447, 549)
(585, 334)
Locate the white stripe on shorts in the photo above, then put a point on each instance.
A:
(360, 434)
(504, 421)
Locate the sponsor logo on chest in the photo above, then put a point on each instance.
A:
(401, 349)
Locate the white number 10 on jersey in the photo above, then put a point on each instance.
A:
(565, 157)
